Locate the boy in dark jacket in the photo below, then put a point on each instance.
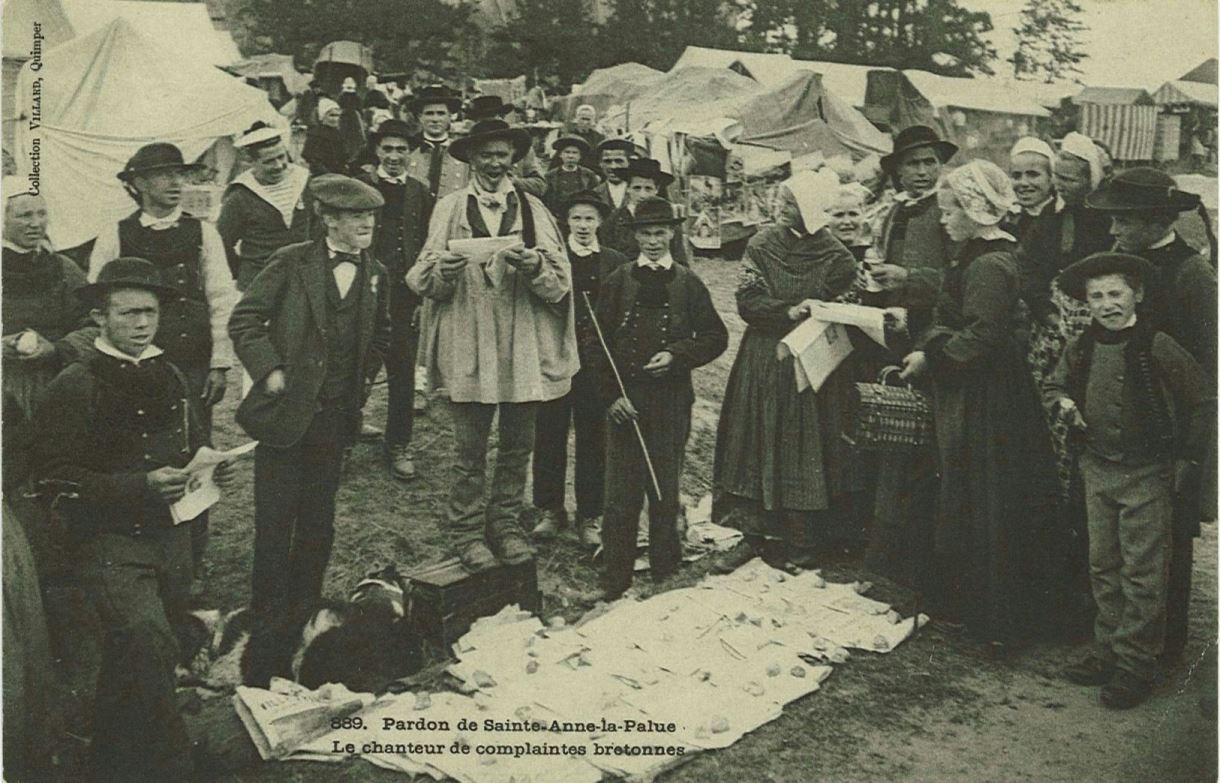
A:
(660, 324)
(583, 405)
(1137, 398)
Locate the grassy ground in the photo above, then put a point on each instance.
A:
(936, 709)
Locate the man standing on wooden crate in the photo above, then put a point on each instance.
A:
(311, 331)
(501, 337)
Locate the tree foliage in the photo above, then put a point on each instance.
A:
(429, 37)
(1048, 43)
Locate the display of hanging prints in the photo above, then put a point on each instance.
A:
(703, 198)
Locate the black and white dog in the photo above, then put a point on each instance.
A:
(364, 643)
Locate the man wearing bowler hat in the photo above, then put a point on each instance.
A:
(582, 407)
(1143, 204)
(311, 330)
(116, 430)
(528, 172)
(499, 336)
(644, 179)
(402, 225)
(190, 258)
(660, 324)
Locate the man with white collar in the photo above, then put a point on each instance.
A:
(613, 156)
(190, 258)
(499, 336)
(264, 207)
(428, 160)
(644, 179)
(401, 227)
(582, 406)
(659, 324)
(116, 429)
(312, 330)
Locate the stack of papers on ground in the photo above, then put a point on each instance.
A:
(626, 693)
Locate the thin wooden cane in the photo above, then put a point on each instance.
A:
(656, 485)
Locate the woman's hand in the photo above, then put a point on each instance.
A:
(889, 276)
(914, 364)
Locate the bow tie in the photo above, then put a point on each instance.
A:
(343, 258)
(493, 201)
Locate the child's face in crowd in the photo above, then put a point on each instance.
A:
(583, 221)
(1112, 300)
(846, 218)
(569, 157)
(640, 188)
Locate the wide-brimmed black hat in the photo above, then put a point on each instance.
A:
(158, 155)
(127, 272)
(618, 144)
(572, 141)
(915, 137)
(486, 107)
(390, 127)
(1073, 279)
(339, 192)
(484, 131)
(436, 93)
(589, 197)
(648, 168)
(1141, 189)
(654, 211)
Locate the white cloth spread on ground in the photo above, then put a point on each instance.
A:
(629, 692)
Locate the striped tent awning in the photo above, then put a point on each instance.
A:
(1128, 130)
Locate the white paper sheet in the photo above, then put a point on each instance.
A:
(201, 490)
(487, 254)
(817, 348)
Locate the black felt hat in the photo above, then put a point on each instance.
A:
(654, 211)
(390, 127)
(1073, 279)
(436, 93)
(484, 131)
(126, 272)
(486, 107)
(572, 141)
(1141, 189)
(158, 155)
(915, 137)
(589, 197)
(646, 168)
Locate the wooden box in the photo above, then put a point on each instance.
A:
(446, 599)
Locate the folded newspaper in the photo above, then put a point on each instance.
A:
(201, 490)
(287, 716)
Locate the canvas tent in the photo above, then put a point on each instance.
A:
(1188, 115)
(1124, 119)
(185, 28)
(106, 94)
(19, 18)
(1204, 73)
(769, 70)
(982, 116)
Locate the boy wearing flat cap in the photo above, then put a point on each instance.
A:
(583, 406)
(660, 324)
(116, 428)
(1136, 399)
(311, 331)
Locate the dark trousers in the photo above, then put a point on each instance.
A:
(294, 528)
(140, 587)
(583, 407)
(1177, 599)
(665, 423)
(477, 512)
(400, 368)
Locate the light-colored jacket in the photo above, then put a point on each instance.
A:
(511, 341)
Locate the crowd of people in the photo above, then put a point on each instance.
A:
(1061, 329)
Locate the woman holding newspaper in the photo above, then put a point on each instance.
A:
(782, 474)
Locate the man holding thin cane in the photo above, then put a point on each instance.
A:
(659, 324)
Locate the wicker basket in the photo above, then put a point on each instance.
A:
(891, 418)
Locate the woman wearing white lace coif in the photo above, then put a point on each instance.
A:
(997, 481)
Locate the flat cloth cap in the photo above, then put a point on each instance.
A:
(1073, 280)
(339, 192)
